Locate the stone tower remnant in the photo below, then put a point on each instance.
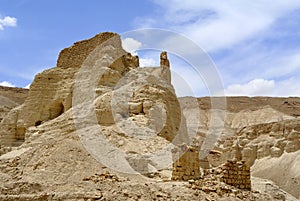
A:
(236, 173)
(165, 65)
(164, 61)
(186, 163)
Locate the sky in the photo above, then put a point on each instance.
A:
(254, 46)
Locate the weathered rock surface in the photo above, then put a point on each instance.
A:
(283, 171)
(136, 112)
(50, 93)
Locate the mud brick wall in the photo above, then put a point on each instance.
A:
(74, 56)
(236, 173)
(186, 163)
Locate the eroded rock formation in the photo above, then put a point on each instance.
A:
(265, 128)
(164, 61)
(51, 91)
(121, 93)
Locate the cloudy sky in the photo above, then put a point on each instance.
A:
(254, 45)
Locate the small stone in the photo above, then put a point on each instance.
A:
(191, 181)
(121, 143)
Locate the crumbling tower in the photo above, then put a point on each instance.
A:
(236, 172)
(164, 61)
(165, 65)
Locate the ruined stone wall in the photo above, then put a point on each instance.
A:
(74, 56)
(236, 173)
(187, 163)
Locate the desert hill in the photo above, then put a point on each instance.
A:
(289, 106)
(266, 130)
(11, 97)
(99, 127)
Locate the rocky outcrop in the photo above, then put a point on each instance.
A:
(270, 129)
(107, 93)
(264, 128)
(270, 139)
(95, 98)
(51, 92)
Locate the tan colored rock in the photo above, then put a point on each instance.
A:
(283, 170)
(51, 92)
(214, 158)
(276, 152)
(164, 61)
(103, 109)
(136, 108)
(74, 56)
(239, 174)
(237, 152)
(11, 98)
(249, 154)
(131, 61)
(186, 165)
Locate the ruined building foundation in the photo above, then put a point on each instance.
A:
(236, 173)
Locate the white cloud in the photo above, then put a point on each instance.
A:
(131, 45)
(27, 86)
(241, 65)
(8, 22)
(247, 40)
(148, 62)
(6, 84)
(256, 87)
(216, 25)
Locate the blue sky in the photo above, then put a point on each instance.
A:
(255, 45)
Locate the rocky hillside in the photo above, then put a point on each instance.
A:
(99, 127)
(265, 130)
(11, 98)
